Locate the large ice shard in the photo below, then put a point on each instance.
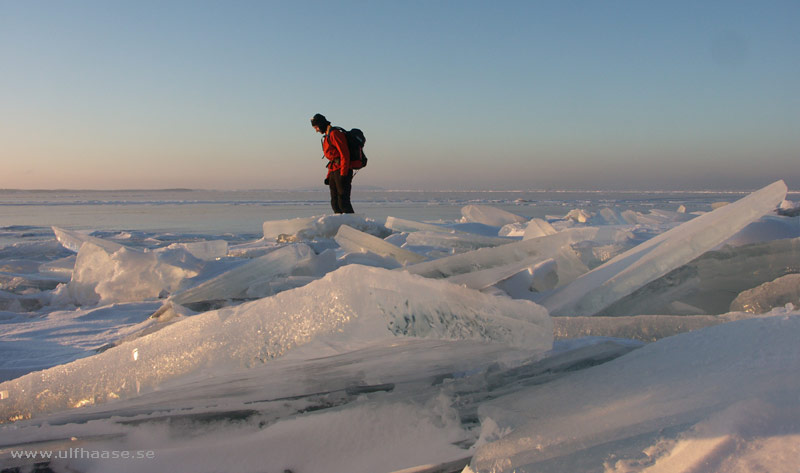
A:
(234, 284)
(487, 277)
(356, 241)
(274, 228)
(654, 258)
(204, 250)
(325, 226)
(530, 251)
(710, 282)
(538, 227)
(402, 225)
(329, 311)
(456, 241)
(126, 275)
(74, 240)
(489, 215)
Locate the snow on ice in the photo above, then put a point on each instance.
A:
(340, 343)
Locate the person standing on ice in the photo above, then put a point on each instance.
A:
(340, 165)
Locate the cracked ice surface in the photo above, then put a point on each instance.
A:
(332, 309)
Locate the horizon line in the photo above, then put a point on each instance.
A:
(382, 189)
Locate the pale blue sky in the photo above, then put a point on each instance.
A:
(451, 94)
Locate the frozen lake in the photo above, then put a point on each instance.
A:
(439, 331)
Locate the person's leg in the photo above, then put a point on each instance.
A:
(334, 193)
(345, 186)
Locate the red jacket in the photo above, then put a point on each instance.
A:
(334, 147)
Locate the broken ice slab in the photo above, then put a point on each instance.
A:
(402, 225)
(127, 275)
(654, 258)
(490, 276)
(356, 241)
(73, 240)
(610, 216)
(489, 215)
(538, 227)
(283, 262)
(578, 215)
(324, 226)
(710, 282)
(457, 241)
(533, 250)
(777, 293)
(527, 283)
(274, 228)
(204, 250)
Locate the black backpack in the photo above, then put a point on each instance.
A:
(355, 141)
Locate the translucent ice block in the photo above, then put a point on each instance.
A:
(533, 250)
(273, 228)
(538, 227)
(73, 240)
(489, 215)
(402, 225)
(458, 241)
(324, 226)
(356, 241)
(204, 250)
(656, 257)
(126, 275)
(710, 282)
(236, 282)
(490, 276)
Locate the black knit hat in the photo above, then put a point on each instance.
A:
(320, 121)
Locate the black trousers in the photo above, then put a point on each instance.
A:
(340, 192)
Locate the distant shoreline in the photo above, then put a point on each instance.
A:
(379, 189)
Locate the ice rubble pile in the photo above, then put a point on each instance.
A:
(392, 304)
(569, 267)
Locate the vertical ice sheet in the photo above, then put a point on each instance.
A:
(355, 241)
(284, 261)
(656, 257)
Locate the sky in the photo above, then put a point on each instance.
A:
(450, 94)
